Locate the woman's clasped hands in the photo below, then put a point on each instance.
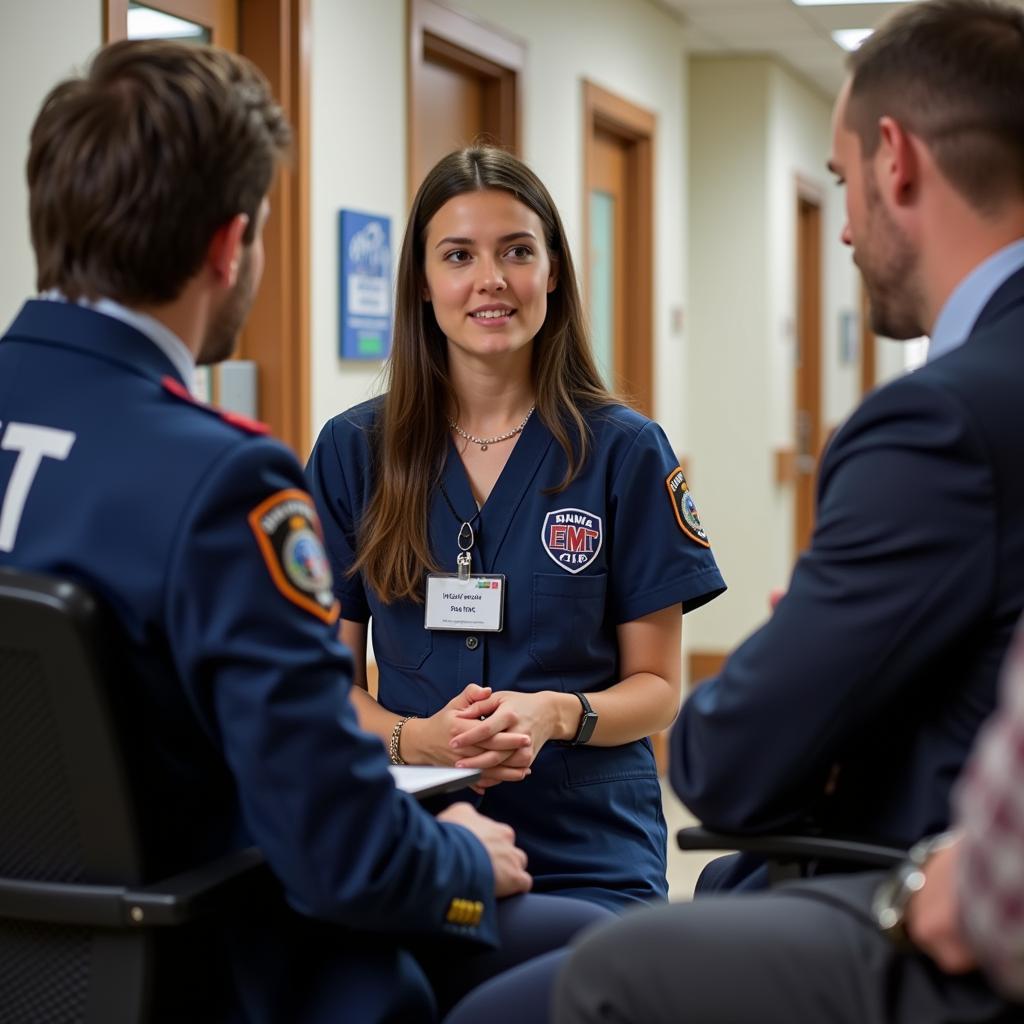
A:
(487, 726)
(456, 735)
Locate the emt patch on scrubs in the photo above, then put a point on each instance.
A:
(684, 507)
(572, 538)
(288, 534)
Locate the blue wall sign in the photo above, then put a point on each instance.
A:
(365, 285)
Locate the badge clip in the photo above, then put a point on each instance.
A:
(464, 560)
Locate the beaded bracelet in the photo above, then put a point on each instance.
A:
(396, 737)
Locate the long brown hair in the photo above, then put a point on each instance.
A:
(410, 438)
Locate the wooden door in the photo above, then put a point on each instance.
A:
(618, 241)
(274, 36)
(449, 113)
(808, 365)
(463, 85)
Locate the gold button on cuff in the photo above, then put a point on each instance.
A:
(467, 913)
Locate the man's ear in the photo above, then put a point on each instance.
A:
(225, 249)
(897, 163)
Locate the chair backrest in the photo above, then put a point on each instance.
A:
(66, 811)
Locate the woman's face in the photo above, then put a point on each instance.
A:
(488, 274)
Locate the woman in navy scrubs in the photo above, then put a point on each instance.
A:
(544, 532)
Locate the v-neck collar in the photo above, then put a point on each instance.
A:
(496, 515)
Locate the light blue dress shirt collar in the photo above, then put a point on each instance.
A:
(969, 298)
(161, 335)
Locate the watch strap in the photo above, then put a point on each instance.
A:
(588, 721)
(889, 903)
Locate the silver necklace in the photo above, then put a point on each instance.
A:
(486, 442)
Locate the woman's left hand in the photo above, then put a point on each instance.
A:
(532, 714)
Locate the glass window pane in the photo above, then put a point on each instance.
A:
(148, 23)
(602, 282)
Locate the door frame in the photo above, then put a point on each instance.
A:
(469, 45)
(868, 345)
(636, 128)
(274, 35)
(221, 22)
(808, 359)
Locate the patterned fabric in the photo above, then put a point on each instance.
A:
(990, 804)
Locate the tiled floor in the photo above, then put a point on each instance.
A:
(683, 868)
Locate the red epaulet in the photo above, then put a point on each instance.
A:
(178, 389)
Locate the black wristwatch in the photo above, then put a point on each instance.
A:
(588, 721)
(889, 904)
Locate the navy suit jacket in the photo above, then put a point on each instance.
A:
(197, 531)
(881, 662)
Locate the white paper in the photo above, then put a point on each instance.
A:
(415, 778)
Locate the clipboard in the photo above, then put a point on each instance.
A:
(423, 781)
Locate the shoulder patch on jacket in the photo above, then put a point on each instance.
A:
(288, 534)
(685, 508)
(176, 388)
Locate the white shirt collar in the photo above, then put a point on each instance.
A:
(160, 334)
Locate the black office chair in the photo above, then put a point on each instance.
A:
(78, 915)
(790, 855)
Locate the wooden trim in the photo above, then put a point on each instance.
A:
(868, 345)
(115, 20)
(617, 115)
(637, 128)
(701, 665)
(468, 33)
(219, 16)
(440, 33)
(807, 380)
(274, 34)
(785, 465)
(659, 744)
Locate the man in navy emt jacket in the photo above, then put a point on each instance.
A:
(148, 180)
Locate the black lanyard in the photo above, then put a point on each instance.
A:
(466, 538)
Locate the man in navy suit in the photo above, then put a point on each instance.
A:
(854, 708)
(148, 180)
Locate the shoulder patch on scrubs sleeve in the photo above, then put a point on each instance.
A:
(288, 533)
(684, 507)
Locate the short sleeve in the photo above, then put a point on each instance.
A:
(331, 467)
(661, 554)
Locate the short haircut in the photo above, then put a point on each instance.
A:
(952, 73)
(136, 164)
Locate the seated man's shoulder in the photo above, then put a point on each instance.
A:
(191, 440)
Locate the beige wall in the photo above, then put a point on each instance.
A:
(754, 129)
(359, 154)
(40, 43)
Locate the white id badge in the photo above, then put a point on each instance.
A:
(476, 603)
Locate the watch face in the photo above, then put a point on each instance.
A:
(889, 904)
(587, 726)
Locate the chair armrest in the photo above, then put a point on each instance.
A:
(172, 901)
(793, 846)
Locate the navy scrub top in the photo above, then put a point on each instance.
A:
(622, 541)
